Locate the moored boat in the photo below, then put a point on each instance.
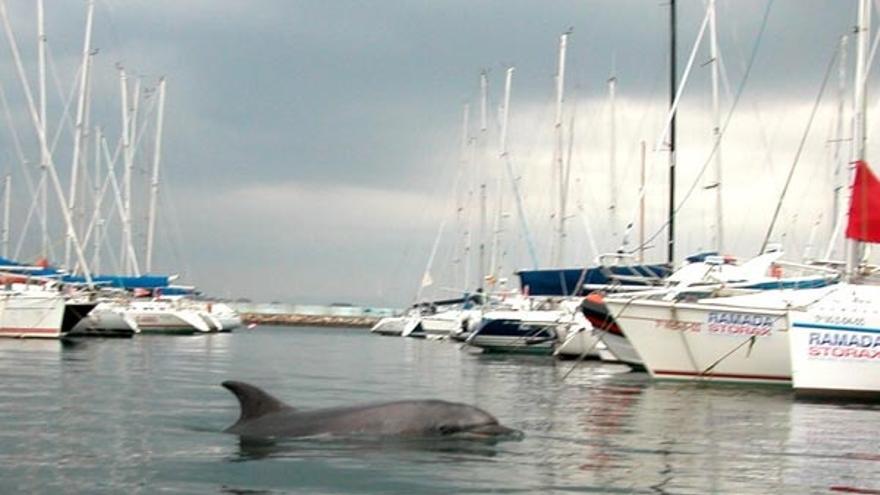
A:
(28, 311)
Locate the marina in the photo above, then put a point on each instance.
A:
(147, 414)
(606, 280)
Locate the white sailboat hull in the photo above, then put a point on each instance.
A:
(31, 314)
(395, 326)
(835, 345)
(703, 341)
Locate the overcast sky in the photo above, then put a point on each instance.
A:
(312, 148)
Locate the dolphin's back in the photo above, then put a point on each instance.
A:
(255, 403)
(265, 416)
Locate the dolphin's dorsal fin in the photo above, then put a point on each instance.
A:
(253, 400)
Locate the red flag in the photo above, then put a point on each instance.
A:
(864, 206)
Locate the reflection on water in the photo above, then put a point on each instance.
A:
(147, 414)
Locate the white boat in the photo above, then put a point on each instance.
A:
(617, 347)
(396, 326)
(615, 316)
(40, 312)
(578, 340)
(519, 331)
(219, 315)
(711, 339)
(446, 323)
(106, 320)
(163, 315)
(835, 344)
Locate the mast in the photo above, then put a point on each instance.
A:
(79, 130)
(465, 154)
(560, 164)
(154, 182)
(44, 158)
(670, 250)
(612, 158)
(502, 154)
(7, 208)
(863, 30)
(642, 206)
(52, 173)
(484, 98)
(99, 221)
(837, 177)
(716, 129)
(126, 146)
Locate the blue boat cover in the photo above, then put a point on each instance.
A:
(570, 281)
(116, 281)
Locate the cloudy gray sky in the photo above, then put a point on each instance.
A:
(312, 148)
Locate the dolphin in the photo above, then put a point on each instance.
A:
(264, 416)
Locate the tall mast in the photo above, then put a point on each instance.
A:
(716, 129)
(154, 182)
(484, 101)
(502, 154)
(79, 130)
(465, 153)
(7, 208)
(642, 205)
(52, 173)
(838, 157)
(612, 158)
(863, 31)
(560, 163)
(670, 250)
(99, 221)
(44, 158)
(126, 146)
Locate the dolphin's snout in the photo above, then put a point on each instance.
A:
(494, 431)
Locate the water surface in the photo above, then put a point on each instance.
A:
(146, 415)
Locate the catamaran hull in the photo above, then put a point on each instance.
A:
(171, 322)
(835, 345)
(42, 315)
(396, 326)
(691, 341)
(103, 322)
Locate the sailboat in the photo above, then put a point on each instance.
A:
(835, 342)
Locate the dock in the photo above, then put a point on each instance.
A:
(334, 315)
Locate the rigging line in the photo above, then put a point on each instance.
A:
(800, 149)
(65, 114)
(730, 113)
(583, 355)
(751, 341)
(27, 221)
(668, 130)
(16, 140)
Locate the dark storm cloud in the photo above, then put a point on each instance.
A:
(363, 99)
